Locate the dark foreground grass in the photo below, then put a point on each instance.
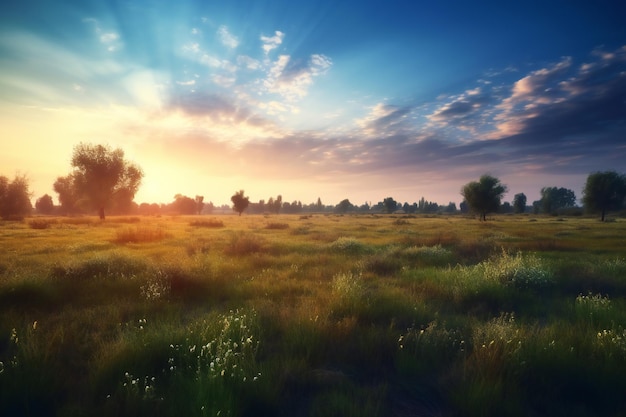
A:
(314, 316)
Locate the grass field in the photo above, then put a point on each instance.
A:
(319, 315)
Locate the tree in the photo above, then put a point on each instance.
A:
(240, 202)
(14, 197)
(64, 187)
(554, 199)
(519, 203)
(604, 191)
(101, 174)
(199, 203)
(484, 196)
(344, 206)
(44, 204)
(390, 204)
(184, 205)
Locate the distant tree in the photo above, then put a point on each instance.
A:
(274, 205)
(184, 205)
(240, 202)
(519, 203)
(554, 199)
(199, 203)
(451, 207)
(390, 204)
(463, 207)
(506, 207)
(101, 173)
(604, 191)
(44, 204)
(318, 205)
(14, 197)
(64, 187)
(344, 206)
(484, 196)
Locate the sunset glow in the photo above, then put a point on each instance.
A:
(359, 100)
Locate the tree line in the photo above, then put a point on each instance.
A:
(101, 180)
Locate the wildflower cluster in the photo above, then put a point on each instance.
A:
(348, 286)
(157, 286)
(230, 354)
(593, 302)
(613, 341)
(144, 389)
(521, 271)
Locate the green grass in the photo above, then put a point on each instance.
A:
(312, 316)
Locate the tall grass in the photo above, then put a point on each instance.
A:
(339, 315)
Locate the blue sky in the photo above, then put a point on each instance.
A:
(343, 99)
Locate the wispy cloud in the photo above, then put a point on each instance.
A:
(110, 39)
(292, 79)
(272, 42)
(227, 38)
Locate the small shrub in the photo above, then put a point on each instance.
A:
(385, 263)
(78, 221)
(244, 244)
(140, 235)
(432, 255)
(429, 347)
(348, 244)
(211, 223)
(41, 223)
(277, 226)
(128, 220)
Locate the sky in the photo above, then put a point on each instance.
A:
(336, 99)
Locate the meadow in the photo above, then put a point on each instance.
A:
(319, 315)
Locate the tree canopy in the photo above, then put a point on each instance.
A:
(44, 204)
(14, 197)
(554, 199)
(519, 203)
(240, 201)
(102, 176)
(484, 196)
(604, 191)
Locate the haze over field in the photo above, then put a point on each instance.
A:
(360, 100)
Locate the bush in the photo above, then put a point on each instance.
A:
(211, 223)
(277, 226)
(140, 235)
(244, 244)
(41, 223)
(347, 244)
(521, 271)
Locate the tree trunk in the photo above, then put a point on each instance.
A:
(101, 213)
(603, 212)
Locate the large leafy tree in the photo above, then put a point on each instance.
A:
(484, 196)
(14, 197)
(604, 191)
(240, 201)
(102, 176)
(554, 199)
